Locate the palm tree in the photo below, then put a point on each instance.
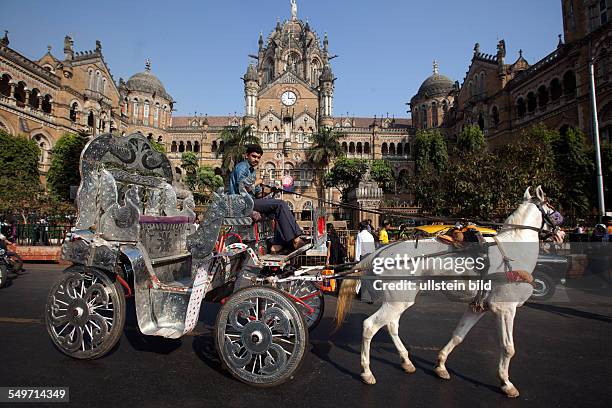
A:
(326, 148)
(234, 145)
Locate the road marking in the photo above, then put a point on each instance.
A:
(20, 320)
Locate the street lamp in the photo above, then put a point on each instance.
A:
(600, 188)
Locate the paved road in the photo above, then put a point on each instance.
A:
(563, 359)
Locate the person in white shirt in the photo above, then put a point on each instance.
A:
(364, 244)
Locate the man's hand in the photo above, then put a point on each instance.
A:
(258, 181)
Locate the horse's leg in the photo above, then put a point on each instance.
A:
(468, 320)
(371, 325)
(506, 314)
(393, 327)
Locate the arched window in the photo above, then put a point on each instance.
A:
(74, 108)
(384, 149)
(20, 94)
(531, 102)
(270, 171)
(173, 147)
(5, 87)
(424, 117)
(91, 79)
(481, 121)
(521, 108)
(288, 171)
(495, 114)
(482, 87)
(555, 89)
(542, 96)
(196, 147)
(156, 115)
(352, 148)
(145, 113)
(214, 147)
(33, 101)
(98, 86)
(293, 62)
(269, 70)
(359, 148)
(345, 147)
(90, 119)
(315, 72)
(264, 135)
(45, 150)
(569, 83)
(471, 88)
(189, 147)
(604, 64)
(46, 104)
(392, 149)
(181, 147)
(366, 148)
(444, 108)
(221, 145)
(434, 114)
(399, 149)
(135, 108)
(103, 90)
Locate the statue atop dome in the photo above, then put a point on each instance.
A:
(293, 10)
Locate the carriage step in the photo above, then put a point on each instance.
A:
(285, 258)
(169, 259)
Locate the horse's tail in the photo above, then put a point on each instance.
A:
(345, 298)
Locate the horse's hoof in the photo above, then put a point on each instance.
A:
(510, 391)
(368, 379)
(442, 373)
(408, 367)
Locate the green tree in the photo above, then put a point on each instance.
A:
(234, 145)
(208, 180)
(430, 149)
(576, 170)
(325, 149)
(64, 170)
(189, 163)
(471, 139)
(382, 173)
(345, 174)
(19, 178)
(157, 146)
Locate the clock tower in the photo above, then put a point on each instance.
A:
(289, 90)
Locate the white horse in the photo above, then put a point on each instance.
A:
(517, 249)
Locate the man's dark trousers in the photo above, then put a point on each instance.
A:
(286, 227)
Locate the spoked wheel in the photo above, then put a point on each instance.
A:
(261, 337)
(85, 313)
(308, 298)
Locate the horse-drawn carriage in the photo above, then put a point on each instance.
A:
(135, 237)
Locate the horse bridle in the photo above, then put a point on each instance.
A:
(546, 217)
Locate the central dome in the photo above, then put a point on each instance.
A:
(436, 85)
(147, 82)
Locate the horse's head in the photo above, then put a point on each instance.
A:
(551, 219)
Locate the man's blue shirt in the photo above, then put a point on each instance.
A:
(241, 172)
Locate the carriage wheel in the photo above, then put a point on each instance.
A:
(85, 313)
(261, 336)
(309, 300)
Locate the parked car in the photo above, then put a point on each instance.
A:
(549, 272)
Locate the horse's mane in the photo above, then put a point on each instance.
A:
(518, 215)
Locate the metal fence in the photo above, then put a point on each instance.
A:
(38, 234)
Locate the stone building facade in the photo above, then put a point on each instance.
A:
(288, 95)
(504, 98)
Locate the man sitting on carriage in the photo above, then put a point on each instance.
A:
(287, 231)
